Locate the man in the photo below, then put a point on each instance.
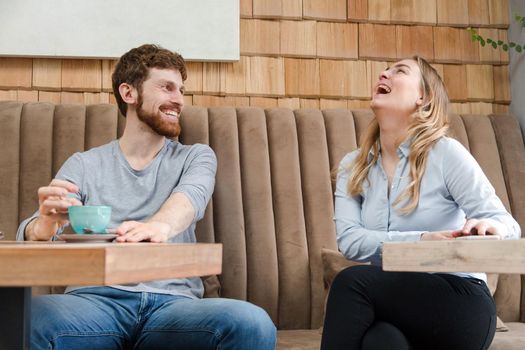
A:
(158, 189)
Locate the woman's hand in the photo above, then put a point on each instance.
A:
(482, 227)
(440, 235)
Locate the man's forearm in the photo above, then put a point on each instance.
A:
(177, 212)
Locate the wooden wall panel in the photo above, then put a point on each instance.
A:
(375, 68)
(8, 95)
(211, 78)
(455, 79)
(357, 10)
(289, 102)
(235, 74)
(379, 10)
(75, 98)
(414, 40)
(478, 12)
(301, 77)
(52, 97)
(501, 84)
(337, 40)
(334, 10)
(81, 75)
(481, 108)
(310, 53)
(333, 82)
(267, 8)
(413, 11)
(372, 43)
(469, 49)
(333, 104)
(108, 66)
(358, 81)
(15, 72)
(309, 103)
(298, 38)
(488, 54)
(504, 55)
(266, 76)
(447, 44)
(194, 82)
(498, 13)
(292, 9)
(480, 82)
(263, 102)
(47, 73)
(452, 12)
(246, 8)
(27, 95)
(259, 37)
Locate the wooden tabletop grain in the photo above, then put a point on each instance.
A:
(60, 264)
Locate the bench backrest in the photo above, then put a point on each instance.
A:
(273, 202)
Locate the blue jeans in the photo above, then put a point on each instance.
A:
(108, 318)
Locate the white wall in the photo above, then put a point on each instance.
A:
(197, 29)
(517, 63)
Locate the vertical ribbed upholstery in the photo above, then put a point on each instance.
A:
(457, 130)
(290, 231)
(483, 146)
(340, 134)
(68, 133)
(317, 201)
(101, 125)
(10, 113)
(263, 288)
(228, 216)
(510, 145)
(36, 154)
(273, 202)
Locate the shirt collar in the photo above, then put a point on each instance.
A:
(402, 151)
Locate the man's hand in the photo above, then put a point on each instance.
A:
(52, 209)
(135, 231)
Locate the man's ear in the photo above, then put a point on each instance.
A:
(128, 93)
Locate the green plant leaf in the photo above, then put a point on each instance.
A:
(518, 48)
(505, 47)
(494, 45)
(482, 41)
(500, 42)
(489, 41)
(512, 44)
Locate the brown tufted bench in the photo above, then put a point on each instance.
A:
(272, 207)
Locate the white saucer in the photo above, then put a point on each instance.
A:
(88, 237)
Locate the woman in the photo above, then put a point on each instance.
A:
(409, 182)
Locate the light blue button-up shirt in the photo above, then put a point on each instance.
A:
(453, 189)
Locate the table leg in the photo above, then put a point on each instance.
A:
(15, 319)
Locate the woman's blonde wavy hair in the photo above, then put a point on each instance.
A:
(429, 124)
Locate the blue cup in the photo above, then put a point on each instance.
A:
(89, 219)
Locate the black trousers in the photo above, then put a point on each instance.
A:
(369, 308)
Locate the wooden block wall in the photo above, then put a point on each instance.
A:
(310, 54)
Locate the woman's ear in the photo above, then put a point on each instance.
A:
(419, 101)
(128, 93)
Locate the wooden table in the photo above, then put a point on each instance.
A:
(27, 264)
(507, 256)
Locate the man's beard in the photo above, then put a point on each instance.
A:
(157, 123)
